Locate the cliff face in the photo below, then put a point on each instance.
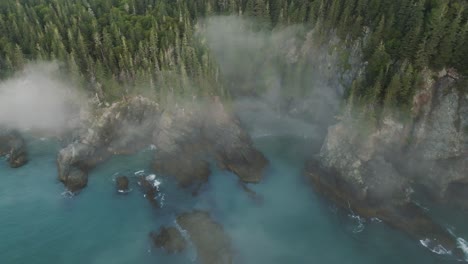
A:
(375, 173)
(439, 143)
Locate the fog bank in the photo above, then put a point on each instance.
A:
(37, 99)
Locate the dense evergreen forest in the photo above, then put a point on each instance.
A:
(116, 47)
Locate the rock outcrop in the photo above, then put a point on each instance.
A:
(149, 187)
(122, 184)
(13, 146)
(212, 244)
(122, 128)
(375, 172)
(185, 137)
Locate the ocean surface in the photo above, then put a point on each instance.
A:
(288, 223)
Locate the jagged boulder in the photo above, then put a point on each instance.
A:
(13, 145)
(122, 184)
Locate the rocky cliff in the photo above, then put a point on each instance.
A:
(186, 137)
(375, 173)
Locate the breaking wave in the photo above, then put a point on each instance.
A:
(463, 245)
(433, 246)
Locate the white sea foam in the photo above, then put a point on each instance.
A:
(421, 206)
(437, 249)
(156, 184)
(152, 147)
(376, 220)
(67, 194)
(360, 223)
(161, 198)
(151, 177)
(192, 252)
(463, 245)
(139, 173)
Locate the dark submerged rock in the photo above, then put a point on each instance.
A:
(122, 184)
(170, 239)
(188, 170)
(211, 242)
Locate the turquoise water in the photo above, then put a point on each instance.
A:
(290, 224)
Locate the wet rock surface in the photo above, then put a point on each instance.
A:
(398, 213)
(13, 146)
(149, 189)
(170, 239)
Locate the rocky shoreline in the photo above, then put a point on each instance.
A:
(372, 173)
(186, 139)
(375, 173)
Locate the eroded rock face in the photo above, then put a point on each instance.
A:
(13, 145)
(170, 239)
(124, 127)
(374, 172)
(431, 151)
(211, 242)
(439, 145)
